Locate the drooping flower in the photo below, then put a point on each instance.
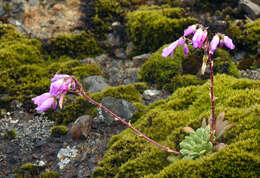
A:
(198, 38)
(228, 43)
(203, 38)
(185, 49)
(170, 49)
(191, 29)
(214, 43)
(61, 84)
(44, 102)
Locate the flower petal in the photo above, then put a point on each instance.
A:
(228, 42)
(197, 37)
(46, 104)
(214, 43)
(185, 50)
(191, 29)
(168, 50)
(40, 99)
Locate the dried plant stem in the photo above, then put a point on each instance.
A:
(121, 120)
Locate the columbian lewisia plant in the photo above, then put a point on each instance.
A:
(198, 143)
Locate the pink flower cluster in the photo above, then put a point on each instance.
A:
(59, 87)
(198, 40)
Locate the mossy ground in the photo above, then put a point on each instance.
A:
(26, 69)
(131, 156)
(151, 27)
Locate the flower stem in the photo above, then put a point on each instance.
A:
(213, 121)
(121, 120)
(212, 98)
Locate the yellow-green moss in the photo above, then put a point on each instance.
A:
(179, 81)
(59, 130)
(27, 170)
(10, 134)
(159, 70)
(26, 80)
(187, 107)
(151, 27)
(251, 32)
(224, 64)
(50, 174)
(74, 45)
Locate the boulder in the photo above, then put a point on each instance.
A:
(251, 8)
(95, 83)
(120, 107)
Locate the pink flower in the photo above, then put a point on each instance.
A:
(228, 43)
(61, 84)
(214, 43)
(197, 38)
(185, 49)
(44, 102)
(170, 49)
(191, 29)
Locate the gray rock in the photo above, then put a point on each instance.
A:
(34, 2)
(139, 60)
(113, 40)
(251, 8)
(122, 108)
(2, 11)
(130, 48)
(81, 127)
(120, 53)
(95, 83)
(152, 92)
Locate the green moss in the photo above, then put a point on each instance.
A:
(59, 130)
(10, 134)
(74, 45)
(27, 170)
(179, 81)
(131, 156)
(26, 80)
(50, 174)
(224, 64)
(251, 34)
(159, 70)
(151, 27)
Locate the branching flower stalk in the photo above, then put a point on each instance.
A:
(200, 40)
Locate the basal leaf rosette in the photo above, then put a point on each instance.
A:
(197, 144)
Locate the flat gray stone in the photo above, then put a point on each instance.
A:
(95, 83)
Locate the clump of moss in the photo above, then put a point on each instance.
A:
(27, 170)
(159, 70)
(251, 32)
(224, 64)
(59, 130)
(74, 45)
(149, 27)
(131, 156)
(179, 81)
(10, 134)
(50, 174)
(34, 79)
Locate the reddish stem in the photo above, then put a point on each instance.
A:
(121, 120)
